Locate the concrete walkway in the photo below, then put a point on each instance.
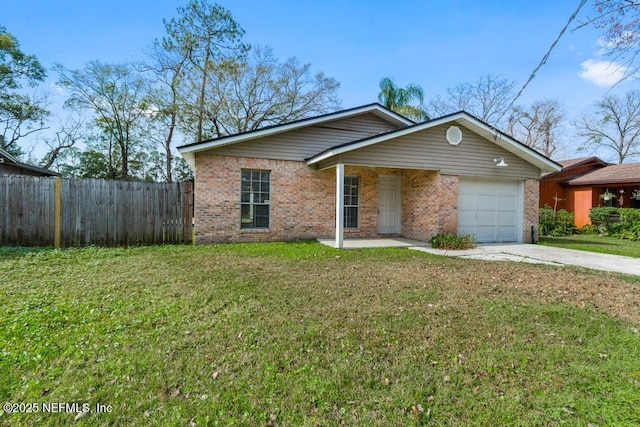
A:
(535, 254)
(540, 254)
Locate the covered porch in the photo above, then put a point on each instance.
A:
(391, 207)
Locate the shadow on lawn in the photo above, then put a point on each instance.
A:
(9, 252)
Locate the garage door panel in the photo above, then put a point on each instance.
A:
(506, 203)
(507, 234)
(485, 234)
(507, 190)
(486, 218)
(506, 218)
(486, 203)
(467, 204)
(486, 188)
(488, 209)
(467, 218)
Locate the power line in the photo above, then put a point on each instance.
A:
(544, 58)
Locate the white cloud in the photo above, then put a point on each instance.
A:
(602, 73)
(57, 88)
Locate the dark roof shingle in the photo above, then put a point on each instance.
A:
(628, 173)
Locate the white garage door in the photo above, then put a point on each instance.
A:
(488, 209)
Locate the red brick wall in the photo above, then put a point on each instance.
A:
(303, 201)
(530, 209)
(420, 205)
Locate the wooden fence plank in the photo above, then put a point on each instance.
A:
(93, 212)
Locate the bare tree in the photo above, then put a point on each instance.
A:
(117, 97)
(259, 91)
(538, 126)
(620, 22)
(615, 128)
(488, 99)
(69, 133)
(168, 66)
(21, 114)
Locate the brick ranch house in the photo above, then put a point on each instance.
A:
(366, 172)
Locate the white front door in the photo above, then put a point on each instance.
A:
(389, 203)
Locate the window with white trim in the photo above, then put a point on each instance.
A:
(351, 201)
(255, 198)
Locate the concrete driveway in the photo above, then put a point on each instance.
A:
(539, 254)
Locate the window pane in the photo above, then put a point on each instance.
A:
(351, 217)
(351, 201)
(254, 199)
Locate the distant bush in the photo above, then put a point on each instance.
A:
(451, 241)
(552, 223)
(633, 233)
(614, 221)
(588, 229)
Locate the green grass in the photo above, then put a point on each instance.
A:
(302, 334)
(595, 243)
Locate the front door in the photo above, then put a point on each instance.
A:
(389, 203)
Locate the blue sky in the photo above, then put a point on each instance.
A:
(435, 44)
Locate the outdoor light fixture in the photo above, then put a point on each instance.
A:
(499, 161)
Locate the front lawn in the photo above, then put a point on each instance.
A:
(302, 334)
(595, 243)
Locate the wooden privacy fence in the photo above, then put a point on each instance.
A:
(39, 211)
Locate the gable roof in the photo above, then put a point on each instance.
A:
(628, 173)
(5, 157)
(188, 150)
(462, 118)
(570, 163)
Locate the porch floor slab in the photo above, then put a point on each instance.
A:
(392, 242)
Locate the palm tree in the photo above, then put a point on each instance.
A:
(398, 99)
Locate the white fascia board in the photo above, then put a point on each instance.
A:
(8, 156)
(233, 139)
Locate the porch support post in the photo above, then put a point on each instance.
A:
(339, 205)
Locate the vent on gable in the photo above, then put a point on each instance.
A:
(454, 135)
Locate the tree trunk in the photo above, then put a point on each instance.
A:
(203, 85)
(167, 146)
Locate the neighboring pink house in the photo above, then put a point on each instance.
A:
(366, 172)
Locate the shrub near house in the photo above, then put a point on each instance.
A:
(620, 222)
(556, 223)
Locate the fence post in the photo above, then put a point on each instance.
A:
(57, 211)
(188, 211)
